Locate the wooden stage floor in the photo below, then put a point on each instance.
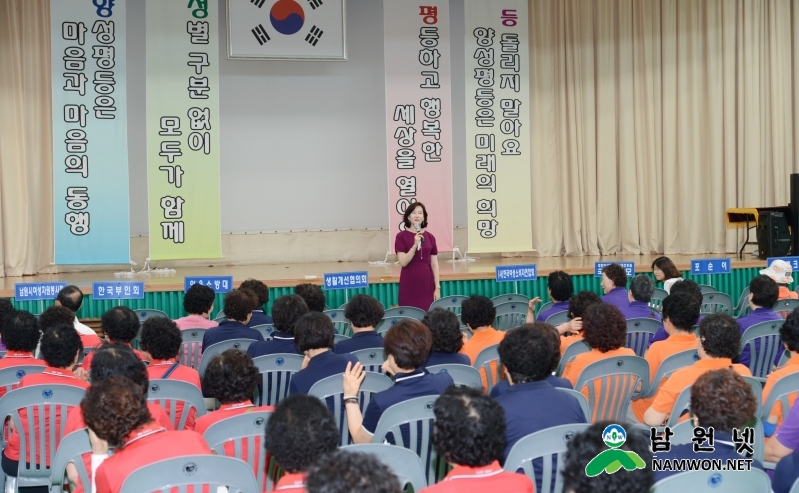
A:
(281, 275)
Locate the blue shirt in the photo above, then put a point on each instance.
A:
(639, 309)
(786, 473)
(557, 307)
(281, 343)
(229, 329)
(360, 340)
(437, 358)
(552, 380)
(321, 366)
(759, 315)
(724, 448)
(618, 298)
(259, 318)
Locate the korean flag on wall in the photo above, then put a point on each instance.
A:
(286, 29)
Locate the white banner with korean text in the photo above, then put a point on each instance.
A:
(419, 113)
(498, 126)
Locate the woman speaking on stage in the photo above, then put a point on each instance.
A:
(416, 250)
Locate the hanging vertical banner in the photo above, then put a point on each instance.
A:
(183, 129)
(498, 126)
(418, 113)
(90, 143)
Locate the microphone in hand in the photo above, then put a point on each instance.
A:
(416, 225)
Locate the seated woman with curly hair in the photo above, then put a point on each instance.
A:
(115, 410)
(447, 338)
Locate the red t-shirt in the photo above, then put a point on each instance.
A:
(18, 358)
(464, 479)
(156, 370)
(87, 361)
(90, 341)
(294, 483)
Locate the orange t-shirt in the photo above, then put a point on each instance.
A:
(479, 341)
(787, 294)
(578, 364)
(792, 366)
(566, 341)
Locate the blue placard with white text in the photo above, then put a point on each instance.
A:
(794, 261)
(505, 273)
(629, 267)
(711, 266)
(118, 290)
(346, 280)
(220, 284)
(37, 291)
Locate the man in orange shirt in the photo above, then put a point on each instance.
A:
(680, 313)
(789, 334)
(718, 343)
(479, 314)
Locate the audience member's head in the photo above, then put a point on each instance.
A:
(641, 288)
(314, 330)
(560, 286)
(117, 359)
(478, 311)
(554, 337)
(55, 315)
(526, 353)
(20, 332)
(313, 295)
(763, 292)
(664, 269)
(286, 310)
(259, 289)
(300, 432)
(6, 309)
(351, 472)
(604, 327)
(445, 329)
(581, 301)
(364, 311)
(681, 310)
(587, 445)
(722, 399)
(690, 287)
(61, 346)
(469, 429)
(238, 305)
(70, 297)
(406, 346)
(114, 407)
(199, 300)
(617, 276)
(780, 271)
(120, 324)
(719, 337)
(231, 377)
(789, 332)
(161, 338)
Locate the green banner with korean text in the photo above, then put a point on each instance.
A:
(183, 129)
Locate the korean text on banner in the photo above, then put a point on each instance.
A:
(498, 126)
(183, 129)
(90, 143)
(419, 114)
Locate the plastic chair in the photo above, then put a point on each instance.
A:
(544, 306)
(330, 391)
(764, 342)
(707, 288)
(42, 401)
(71, 448)
(168, 393)
(580, 398)
(783, 359)
(511, 298)
(405, 312)
(220, 317)
(339, 337)
(342, 307)
(658, 295)
(714, 481)
(197, 471)
(147, 313)
(461, 374)
(406, 465)
(681, 404)
(640, 332)
(10, 377)
(246, 432)
(757, 389)
(219, 348)
(451, 303)
(795, 487)
(385, 323)
(265, 330)
(549, 446)
(191, 354)
(483, 364)
(575, 348)
(684, 432)
(611, 384)
(558, 318)
(669, 366)
(715, 302)
(785, 307)
(372, 359)
(340, 322)
(742, 308)
(509, 315)
(276, 371)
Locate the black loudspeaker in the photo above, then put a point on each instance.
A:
(773, 236)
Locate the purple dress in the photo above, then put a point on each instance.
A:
(416, 285)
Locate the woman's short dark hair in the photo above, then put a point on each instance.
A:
(720, 336)
(409, 210)
(617, 274)
(314, 330)
(364, 311)
(114, 407)
(56, 315)
(409, 342)
(198, 299)
(351, 472)
(789, 331)
(667, 267)
(527, 353)
(690, 287)
(299, 432)
(60, 345)
(445, 330)
(560, 285)
(258, 288)
(604, 327)
(20, 332)
(118, 359)
(231, 377)
(722, 399)
(313, 295)
(286, 310)
(161, 338)
(765, 292)
(681, 309)
(478, 311)
(469, 429)
(581, 301)
(6, 309)
(239, 304)
(120, 324)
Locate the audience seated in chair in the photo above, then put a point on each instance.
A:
(6, 309)
(314, 335)
(364, 312)
(641, 289)
(286, 310)
(763, 293)
(59, 315)
(238, 306)
(20, 331)
(686, 286)
(261, 292)
(789, 335)
(786, 440)
(781, 272)
(351, 472)
(198, 303)
(614, 285)
(560, 289)
(298, 434)
(313, 296)
(120, 326)
(469, 433)
(479, 314)
(572, 331)
(71, 297)
(447, 338)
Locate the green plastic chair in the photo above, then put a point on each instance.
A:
(451, 303)
(558, 318)
(405, 312)
(483, 364)
(406, 465)
(145, 314)
(372, 359)
(669, 366)
(219, 348)
(168, 393)
(715, 302)
(191, 354)
(461, 374)
(742, 308)
(575, 348)
(340, 322)
(640, 332)
(754, 481)
(197, 471)
(707, 288)
(276, 371)
(611, 385)
(784, 307)
(246, 431)
(764, 342)
(509, 315)
(511, 297)
(656, 301)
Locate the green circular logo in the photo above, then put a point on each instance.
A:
(614, 436)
